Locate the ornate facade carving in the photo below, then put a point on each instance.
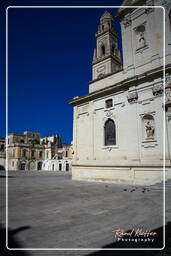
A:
(109, 113)
(157, 89)
(127, 21)
(132, 97)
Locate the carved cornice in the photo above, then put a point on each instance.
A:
(107, 56)
(123, 85)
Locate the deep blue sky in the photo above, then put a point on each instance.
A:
(50, 55)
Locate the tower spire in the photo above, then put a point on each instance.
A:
(106, 57)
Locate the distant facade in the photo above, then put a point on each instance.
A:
(30, 152)
(118, 127)
(2, 154)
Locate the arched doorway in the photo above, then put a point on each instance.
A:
(60, 167)
(67, 167)
(39, 166)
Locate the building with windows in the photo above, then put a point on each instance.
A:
(30, 152)
(2, 154)
(120, 126)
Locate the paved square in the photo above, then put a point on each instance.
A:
(49, 210)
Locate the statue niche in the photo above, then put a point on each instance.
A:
(140, 36)
(149, 127)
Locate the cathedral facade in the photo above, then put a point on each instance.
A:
(122, 127)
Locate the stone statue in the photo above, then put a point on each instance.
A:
(141, 39)
(149, 130)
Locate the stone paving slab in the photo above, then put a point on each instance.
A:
(49, 210)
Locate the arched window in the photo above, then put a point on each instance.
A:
(32, 153)
(24, 153)
(110, 133)
(103, 50)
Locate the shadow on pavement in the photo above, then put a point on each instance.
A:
(157, 244)
(13, 242)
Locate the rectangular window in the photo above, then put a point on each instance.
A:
(40, 154)
(59, 156)
(109, 103)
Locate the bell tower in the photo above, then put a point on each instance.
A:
(106, 58)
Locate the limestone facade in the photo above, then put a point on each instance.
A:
(120, 127)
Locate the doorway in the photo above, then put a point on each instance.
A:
(22, 166)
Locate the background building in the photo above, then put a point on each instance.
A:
(119, 125)
(30, 152)
(2, 154)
